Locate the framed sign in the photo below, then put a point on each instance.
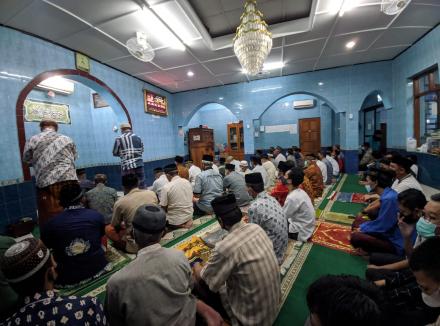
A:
(82, 62)
(155, 104)
(35, 111)
(98, 101)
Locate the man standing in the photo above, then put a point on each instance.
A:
(119, 231)
(209, 185)
(102, 198)
(155, 288)
(234, 182)
(270, 169)
(242, 268)
(183, 170)
(160, 181)
(129, 148)
(278, 156)
(52, 156)
(176, 199)
(267, 213)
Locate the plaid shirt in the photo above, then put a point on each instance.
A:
(129, 148)
(52, 156)
(244, 270)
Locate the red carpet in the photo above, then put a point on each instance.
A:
(334, 236)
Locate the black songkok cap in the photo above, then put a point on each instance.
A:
(403, 162)
(207, 158)
(230, 167)
(254, 178)
(224, 205)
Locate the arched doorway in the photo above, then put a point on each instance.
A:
(373, 122)
(82, 128)
(291, 119)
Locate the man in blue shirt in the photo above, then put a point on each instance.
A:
(75, 237)
(129, 148)
(382, 234)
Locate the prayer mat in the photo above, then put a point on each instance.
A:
(358, 198)
(338, 218)
(334, 236)
(175, 234)
(344, 197)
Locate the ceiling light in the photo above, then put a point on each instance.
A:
(190, 73)
(252, 41)
(220, 98)
(157, 28)
(347, 6)
(57, 84)
(335, 6)
(256, 90)
(350, 44)
(273, 65)
(286, 104)
(379, 98)
(320, 83)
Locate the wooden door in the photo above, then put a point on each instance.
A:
(310, 135)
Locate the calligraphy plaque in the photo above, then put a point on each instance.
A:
(155, 103)
(35, 111)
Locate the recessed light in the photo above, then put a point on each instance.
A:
(286, 104)
(220, 98)
(190, 73)
(320, 83)
(350, 45)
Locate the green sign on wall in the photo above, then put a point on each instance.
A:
(39, 110)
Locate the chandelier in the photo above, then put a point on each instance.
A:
(252, 41)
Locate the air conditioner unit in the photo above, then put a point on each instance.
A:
(304, 104)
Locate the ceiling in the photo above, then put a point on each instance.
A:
(308, 34)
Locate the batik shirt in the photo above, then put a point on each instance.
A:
(129, 148)
(102, 199)
(52, 156)
(268, 213)
(51, 310)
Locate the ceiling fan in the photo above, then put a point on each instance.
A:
(393, 7)
(140, 48)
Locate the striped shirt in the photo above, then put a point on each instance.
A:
(129, 148)
(244, 270)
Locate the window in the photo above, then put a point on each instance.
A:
(426, 90)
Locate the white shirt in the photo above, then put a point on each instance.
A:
(158, 184)
(237, 165)
(215, 168)
(300, 213)
(335, 165)
(262, 171)
(245, 172)
(271, 173)
(415, 169)
(323, 169)
(280, 157)
(177, 196)
(194, 171)
(408, 182)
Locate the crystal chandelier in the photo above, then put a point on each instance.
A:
(252, 41)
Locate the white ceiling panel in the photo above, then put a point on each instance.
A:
(224, 66)
(169, 57)
(98, 11)
(419, 15)
(303, 51)
(383, 53)
(203, 53)
(132, 65)
(229, 5)
(180, 74)
(321, 28)
(209, 8)
(49, 23)
(361, 19)
(200, 83)
(95, 45)
(336, 45)
(232, 78)
(400, 36)
(9, 8)
(297, 67)
(160, 78)
(339, 60)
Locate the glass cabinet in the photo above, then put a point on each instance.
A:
(236, 140)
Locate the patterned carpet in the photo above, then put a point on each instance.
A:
(333, 236)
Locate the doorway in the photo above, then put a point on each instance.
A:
(310, 135)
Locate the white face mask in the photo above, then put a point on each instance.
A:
(432, 300)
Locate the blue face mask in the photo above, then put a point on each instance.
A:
(425, 228)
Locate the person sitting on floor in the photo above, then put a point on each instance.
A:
(328, 166)
(382, 234)
(193, 171)
(333, 162)
(299, 157)
(244, 168)
(271, 170)
(209, 185)
(321, 165)
(267, 213)
(280, 191)
(404, 178)
(221, 166)
(183, 170)
(278, 156)
(84, 183)
(32, 271)
(119, 231)
(234, 183)
(367, 156)
(412, 203)
(258, 168)
(176, 199)
(298, 207)
(291, 155)
(102, 198)
(160, 181)
(158, 278)
(243, 268)
(343, 300)
(232, 160)
(414, 166)
(8, 295)
(75, 237)
(313, 172)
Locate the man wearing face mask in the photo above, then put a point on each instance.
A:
(280, 191)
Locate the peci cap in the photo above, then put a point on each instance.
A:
(243, 163)
(224, 205)
(207, 158)
(24, 259)
(229, 166)
(149, 219)
(254, 178)
(124, 125)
